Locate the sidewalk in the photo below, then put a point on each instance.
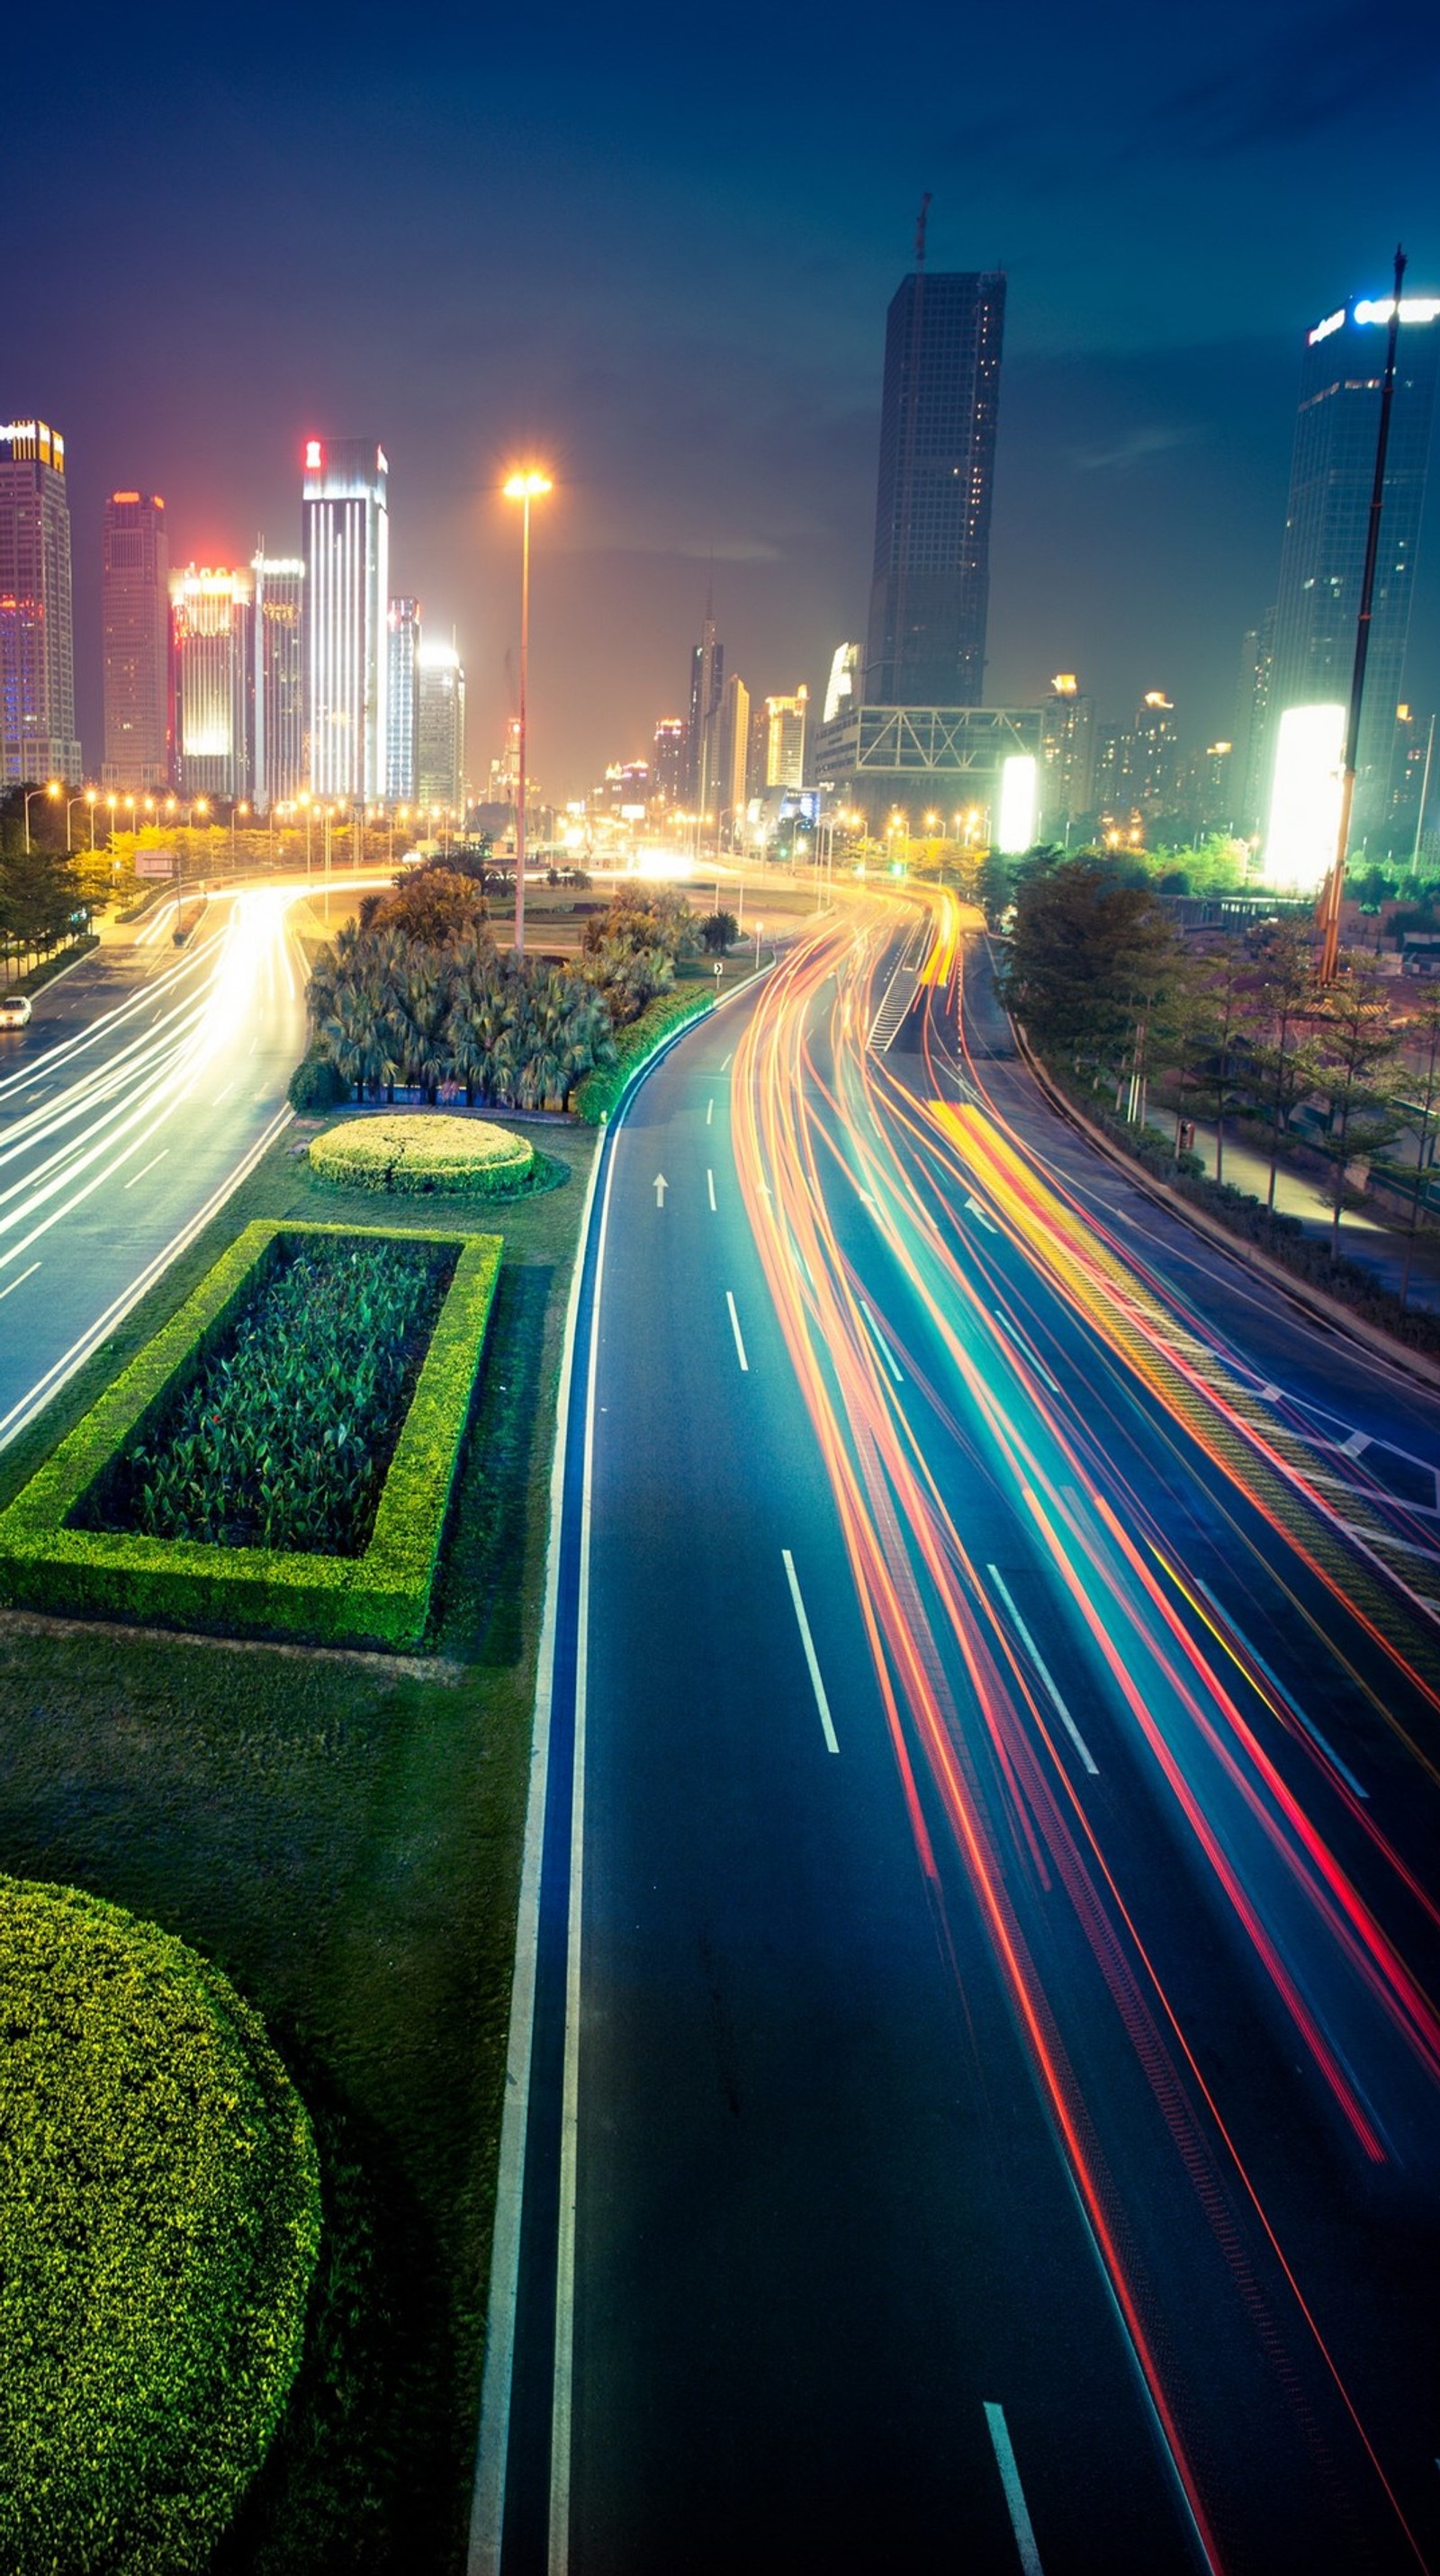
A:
(1377, 1244)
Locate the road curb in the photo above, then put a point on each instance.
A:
(1312, 1301)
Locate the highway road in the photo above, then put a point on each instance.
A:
(147, 1083)
(980, 2105)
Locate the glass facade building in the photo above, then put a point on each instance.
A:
(930, 594)
(439, 727)
(347, 561)
(210, 621)
(1323, 555)
(402, 647)
(279, 681)
(37, 652)
(135, 622)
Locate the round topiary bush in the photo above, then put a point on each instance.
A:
(423, 1150)
(159, 2226)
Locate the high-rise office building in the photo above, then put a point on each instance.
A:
(347, 542)
(1067, 755)
(702, 737)
(439, 726)
(840, 687)
(210, 613)
(37, 657)
(930, 594)
(1326, 518)
(785, 740)
(135, 628)
(402, 643)
(1155, 755)
(278, 693)
(667, 769)
(733, 765)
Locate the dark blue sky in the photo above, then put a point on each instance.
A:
(658, 248)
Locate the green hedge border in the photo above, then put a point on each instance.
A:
(380, 1599)
(598, 1094)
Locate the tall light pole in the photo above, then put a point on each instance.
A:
(525, 487)
(52, 789)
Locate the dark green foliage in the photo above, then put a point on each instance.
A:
(378, 1598)
(600, 1093)
(718, 931)
(282, 1438)
(159, 2227)
(388, 1006)
(1090, 956)
(315, 1086)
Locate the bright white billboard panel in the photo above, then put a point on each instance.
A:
(1305, 797)
(1015, 832)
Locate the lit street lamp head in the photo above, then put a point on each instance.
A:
(527, 484)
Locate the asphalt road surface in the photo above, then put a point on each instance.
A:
(982, 2089)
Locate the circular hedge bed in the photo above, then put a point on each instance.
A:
(159, 2226)
(423, 1150)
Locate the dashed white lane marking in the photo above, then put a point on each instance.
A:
(811, 1659)
(1023, 1343)
(20, 1282)
(1043, 1669)
(709, 1111)
(147, 1167)
(1019, 2511)
(735, 1329)
(710, 1186)
(882, 1345)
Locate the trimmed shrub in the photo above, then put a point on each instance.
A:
(423, 1151)
(315, 1086)
(379, 1599)
(599, 1095)
(159, 2227)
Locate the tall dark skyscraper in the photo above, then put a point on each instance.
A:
(135, 617)
(1323, 555)
(702, 737)
(931, 590)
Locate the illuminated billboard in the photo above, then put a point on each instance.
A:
(1015, 829)
(1305, 797)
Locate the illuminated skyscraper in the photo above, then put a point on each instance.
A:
(702, 738)
(1323, 556)
(439, 726)
(667, 770)
(279, 680)
(931, 587)
(347, 542)
(732, 771)
(402, 643)
(135, 623)
(210, 628)
(37, 664)
(785, 740)
(1067, 755)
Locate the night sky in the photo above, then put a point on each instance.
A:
(656, 249)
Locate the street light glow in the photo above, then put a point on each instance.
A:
(528, 484)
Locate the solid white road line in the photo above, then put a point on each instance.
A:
(147, 1167)
(808, 1642)
(20, 1282)
(1019, 2511)
(735, 1329)
(883, 1346)
(710, 1185)
(1043, 1669)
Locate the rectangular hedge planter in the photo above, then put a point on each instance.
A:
(379, 1599)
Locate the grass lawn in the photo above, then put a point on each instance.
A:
(341, 1835)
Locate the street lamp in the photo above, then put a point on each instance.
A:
(52, 789)
(525, 487)
(92, 795)
(87, 798)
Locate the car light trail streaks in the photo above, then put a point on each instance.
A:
(901, 1376)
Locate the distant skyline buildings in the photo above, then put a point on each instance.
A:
(278, 689)
(785, 739)
(345, 507)
(135, 636)
(402, 643)
(1323, 549)
(439, 725)
(211, 612)
(929, 598)
(37, 658)
(707, 688)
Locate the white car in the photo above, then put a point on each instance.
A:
(14, 1010)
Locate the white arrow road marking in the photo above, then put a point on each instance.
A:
(985, 1218)
(735, 1329)
(808, 1642)
(661, 1186)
